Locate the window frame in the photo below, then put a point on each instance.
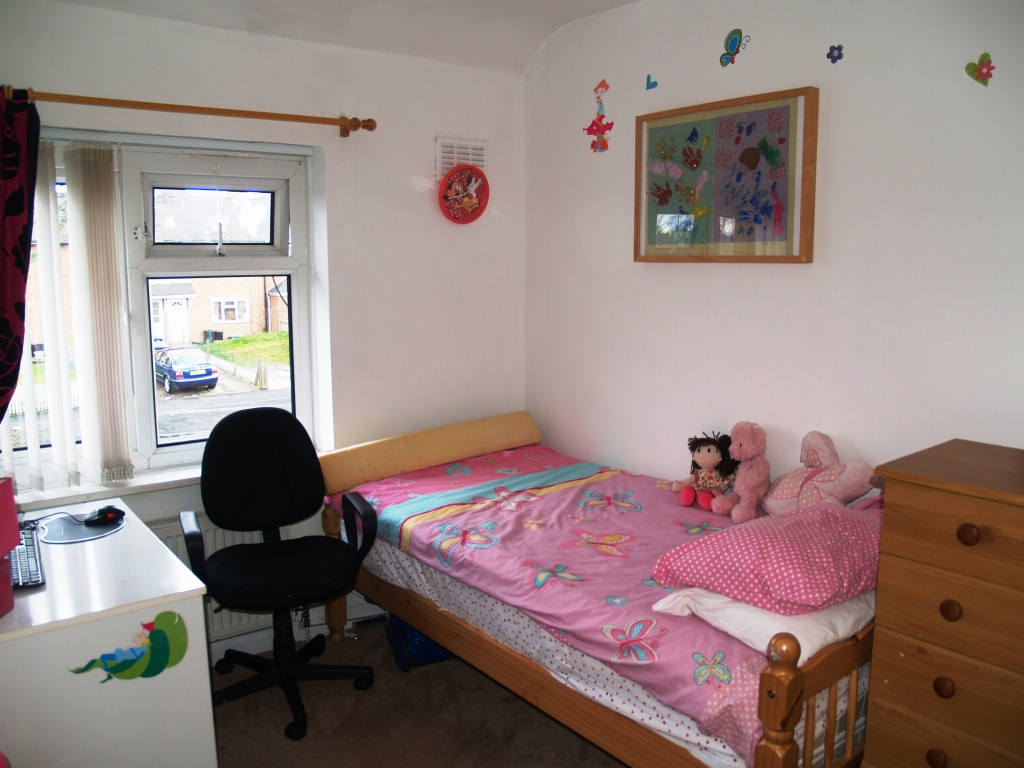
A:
(146, 167)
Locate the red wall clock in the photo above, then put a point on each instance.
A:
(463, 194)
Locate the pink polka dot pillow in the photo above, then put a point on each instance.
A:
(793, 563)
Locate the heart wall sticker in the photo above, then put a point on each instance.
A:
(981, 70)
(651, 83)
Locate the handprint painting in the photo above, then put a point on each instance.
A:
(724, 183)
(735, 165)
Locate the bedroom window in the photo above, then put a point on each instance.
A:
(210, 216)
(208, 250)
(214, 236)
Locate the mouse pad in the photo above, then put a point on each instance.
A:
(65, 530)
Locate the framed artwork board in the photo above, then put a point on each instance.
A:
(728, 181)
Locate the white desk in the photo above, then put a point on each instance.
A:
(98, 595)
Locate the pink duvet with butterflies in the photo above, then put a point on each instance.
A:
(572, 545)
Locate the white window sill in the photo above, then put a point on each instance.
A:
(144, 482)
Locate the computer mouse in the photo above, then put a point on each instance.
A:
(104, 516)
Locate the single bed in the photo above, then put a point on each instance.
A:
(829, 680)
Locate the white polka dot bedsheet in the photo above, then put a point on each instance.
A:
(553, 557)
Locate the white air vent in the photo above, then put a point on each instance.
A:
(452, 152)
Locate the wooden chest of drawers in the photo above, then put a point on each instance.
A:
(947, 672)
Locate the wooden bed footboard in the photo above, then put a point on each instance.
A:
(786, 691)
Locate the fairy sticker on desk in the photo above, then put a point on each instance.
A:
(160, 644)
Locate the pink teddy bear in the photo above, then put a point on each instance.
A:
(749, 442)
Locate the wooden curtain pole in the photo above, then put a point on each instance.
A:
(345, 124)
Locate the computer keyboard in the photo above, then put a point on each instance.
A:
(26, 565)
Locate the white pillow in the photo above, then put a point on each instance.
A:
(756, 627)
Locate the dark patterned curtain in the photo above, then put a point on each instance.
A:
(20, 153)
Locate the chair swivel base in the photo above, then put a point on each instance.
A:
(286, 669)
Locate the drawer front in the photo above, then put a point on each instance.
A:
(898, 738)
(921, 523)
(984, 700)
(991, 627)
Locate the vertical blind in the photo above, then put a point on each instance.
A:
(82, 335)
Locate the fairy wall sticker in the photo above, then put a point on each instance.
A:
(159, 644)
(598, 128)
(981, 70)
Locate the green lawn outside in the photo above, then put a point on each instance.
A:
(272, 348)
(39, 373)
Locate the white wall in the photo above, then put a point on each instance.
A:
(907, 330)
(426, 317)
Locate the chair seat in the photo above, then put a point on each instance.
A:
(281, 574)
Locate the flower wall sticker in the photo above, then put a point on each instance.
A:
(835, 53)
(981, 70)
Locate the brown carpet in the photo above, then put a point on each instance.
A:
(446, 715)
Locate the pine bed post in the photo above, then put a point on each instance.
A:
(336, 609)
(782, 685)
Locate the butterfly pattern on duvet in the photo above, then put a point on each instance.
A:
(636, 641)
(711, 671)
(453, 537)
(560, 572)
(508, 500)
(609, 544)
(617, 502)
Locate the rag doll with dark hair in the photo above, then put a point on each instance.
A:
(712, 470)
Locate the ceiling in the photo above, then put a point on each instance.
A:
(501, 35)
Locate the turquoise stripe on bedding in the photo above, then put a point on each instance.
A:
(389, 522)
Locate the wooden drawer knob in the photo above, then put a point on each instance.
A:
(936, 758)
(968, 534)
(951, 610)
(944, 687)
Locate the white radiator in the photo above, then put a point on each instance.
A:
(223, 623)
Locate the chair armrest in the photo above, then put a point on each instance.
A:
(353, 504)
(194, 543)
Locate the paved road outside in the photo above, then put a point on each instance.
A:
(191, 414)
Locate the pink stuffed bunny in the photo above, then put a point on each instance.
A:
(822, 478)
(749, 442)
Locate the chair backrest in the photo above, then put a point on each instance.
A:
(260, 471)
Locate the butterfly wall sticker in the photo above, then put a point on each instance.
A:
(711, 671)
(636, 641)
(618, 502)
(453, 537)
(734, 41)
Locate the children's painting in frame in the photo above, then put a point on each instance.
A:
(728, 181)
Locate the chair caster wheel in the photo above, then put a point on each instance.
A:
(224, 666)
(362, 685)
(295, 730)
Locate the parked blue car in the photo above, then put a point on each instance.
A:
(180, 367)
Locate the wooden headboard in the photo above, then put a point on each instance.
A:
(346, 468)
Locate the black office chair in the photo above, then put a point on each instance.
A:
(260, 472)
